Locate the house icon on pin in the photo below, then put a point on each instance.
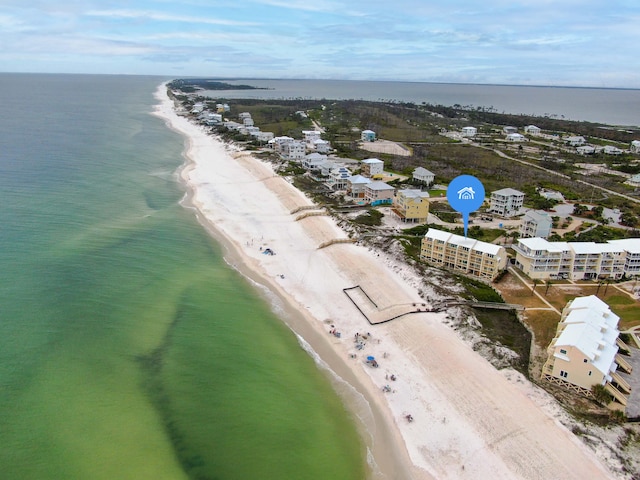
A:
(466, 193)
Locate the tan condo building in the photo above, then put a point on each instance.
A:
(584, 351)
(465, 255)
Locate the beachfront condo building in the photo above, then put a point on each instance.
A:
(585, 351)
(411, 205)
(506, 202)
(372, 167)
(543, 260)
(535, 224)
(463, 254)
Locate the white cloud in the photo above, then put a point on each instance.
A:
(164, 17)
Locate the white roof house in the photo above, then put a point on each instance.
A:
(338, 178)
(311, 135)
(469, 131)
(574, 141)
(277, 142)
(295, 150)
(372, 166)
(379, 193)
(611, 150)
(535, 224)
(368, 136)
(635, 146)
(634, 181)
(551, 195)
(506, 202)
(423, 175)
(313, 161)
(516, 137)
(532, 130)
(584, 351)
(586, 150)
(507, 130)
(321, 146)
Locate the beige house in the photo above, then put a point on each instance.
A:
(584, 351)
(356, 185)
(411, 205)
(378, 193)
(465, 255)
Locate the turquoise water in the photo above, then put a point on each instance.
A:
(128, 348)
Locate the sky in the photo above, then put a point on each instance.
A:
(590, 43)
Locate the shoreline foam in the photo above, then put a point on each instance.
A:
(470, 422)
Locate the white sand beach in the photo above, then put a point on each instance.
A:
(470, 421)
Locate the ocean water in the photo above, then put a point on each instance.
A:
(600, 105)
(128, 348)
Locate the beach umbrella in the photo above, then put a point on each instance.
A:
(370, 358)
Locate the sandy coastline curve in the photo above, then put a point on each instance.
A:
(470, 421)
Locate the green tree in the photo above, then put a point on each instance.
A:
(601, 395)
(579, 209)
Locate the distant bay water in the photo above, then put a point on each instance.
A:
(601, 105)
(128, 348)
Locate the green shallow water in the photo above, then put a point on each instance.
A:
(128, 348)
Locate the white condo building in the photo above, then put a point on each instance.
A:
(541, 259)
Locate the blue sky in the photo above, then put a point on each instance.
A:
(528, 42)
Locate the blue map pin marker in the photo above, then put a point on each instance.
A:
(465, 194)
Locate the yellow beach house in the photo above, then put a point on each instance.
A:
(411, 205)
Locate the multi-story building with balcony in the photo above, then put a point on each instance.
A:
(411, 205)
(463, 254)
(378, 193)
(584, 351)
(535, 224)
(372, 167)
(506, 202)
(541, 259)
